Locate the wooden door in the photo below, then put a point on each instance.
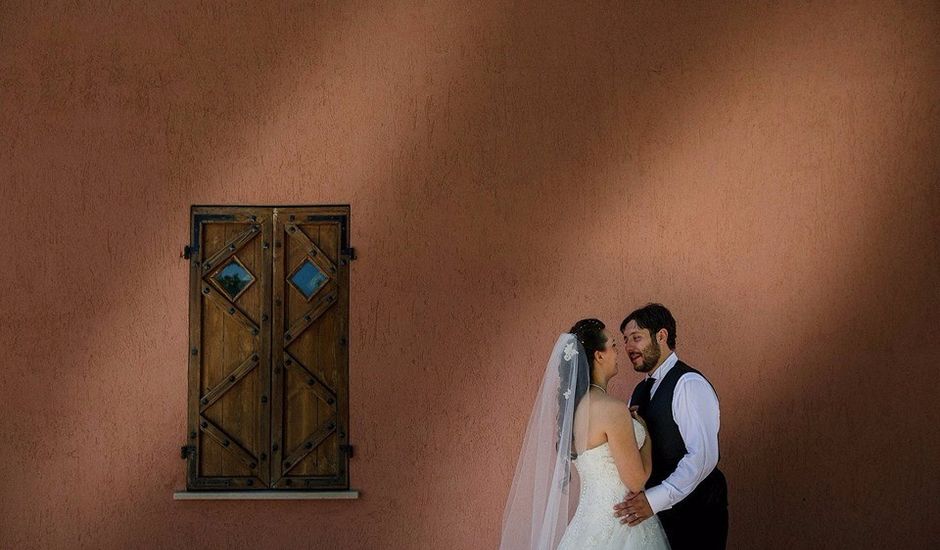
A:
(311, 305)
(268, 370)
(229, 375)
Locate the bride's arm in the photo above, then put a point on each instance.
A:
(634, 468)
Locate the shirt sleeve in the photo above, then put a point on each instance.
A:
(695, 409)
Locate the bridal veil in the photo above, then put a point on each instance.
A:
(540, 501)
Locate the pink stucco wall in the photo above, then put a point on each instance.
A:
(770, 173)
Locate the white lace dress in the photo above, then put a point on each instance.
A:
(594, 524)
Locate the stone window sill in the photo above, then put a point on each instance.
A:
(266, 495)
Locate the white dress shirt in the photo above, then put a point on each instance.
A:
(695, 410)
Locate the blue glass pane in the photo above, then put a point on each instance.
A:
(308, 279)
(233, 278)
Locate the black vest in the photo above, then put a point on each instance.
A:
(669, 448)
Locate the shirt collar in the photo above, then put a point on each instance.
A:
(663, 369)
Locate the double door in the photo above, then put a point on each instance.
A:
(268, 403)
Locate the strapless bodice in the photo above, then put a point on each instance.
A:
(594, 524)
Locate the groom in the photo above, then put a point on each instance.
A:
(685, 489)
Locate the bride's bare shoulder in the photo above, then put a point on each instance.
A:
(606, 406)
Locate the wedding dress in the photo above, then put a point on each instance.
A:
(594, 524)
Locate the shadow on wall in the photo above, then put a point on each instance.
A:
(115, 121)
(825, 433)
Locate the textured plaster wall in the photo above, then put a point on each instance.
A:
(769, 172)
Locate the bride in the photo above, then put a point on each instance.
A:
(574, 421)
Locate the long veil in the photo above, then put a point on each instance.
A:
(537, 509)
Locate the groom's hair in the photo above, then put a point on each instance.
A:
(654, 317)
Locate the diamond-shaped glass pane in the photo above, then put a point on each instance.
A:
(234, 278)
(308, 279)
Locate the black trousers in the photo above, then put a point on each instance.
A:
(696, 528)
(700, 520)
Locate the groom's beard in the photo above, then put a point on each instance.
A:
(651, 356)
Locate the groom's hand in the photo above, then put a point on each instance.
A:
(636, 415)
(634, 509)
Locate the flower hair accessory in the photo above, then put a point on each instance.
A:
(570, 351)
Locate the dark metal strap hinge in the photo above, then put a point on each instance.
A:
(187, 451)
(350, 252)
(348, 449)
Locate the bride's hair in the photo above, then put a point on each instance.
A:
(590, 334)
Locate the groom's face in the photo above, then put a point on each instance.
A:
(642, 349)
